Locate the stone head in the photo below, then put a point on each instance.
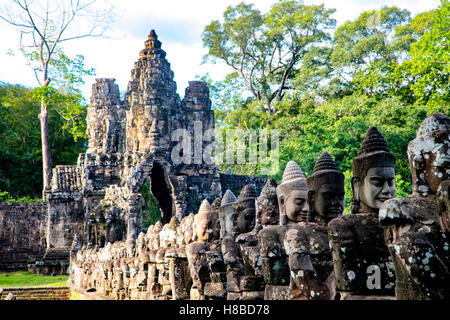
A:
(245, 209)
(429, 154)
(214, 219)
(373, 180)
(292, 195)
(443, 206)
(326, 190)
(186, 228)
(168, 234)
(201, 222)
(267, 211)
(227, 215)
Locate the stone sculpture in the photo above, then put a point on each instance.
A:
(227, 215)
(362, 263)
(196, 252)
(310, 261)
(292, 195)
(417, 232)
(252, 282)
(242, 220)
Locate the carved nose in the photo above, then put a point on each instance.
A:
(386, 188)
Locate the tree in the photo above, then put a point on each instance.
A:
(20, 141)
(266, 49)
(43, 28)
(427, 73)
(368, 47)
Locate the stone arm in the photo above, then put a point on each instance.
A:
(197, 264)
(410, 244)
(419, 258)
(305, 282)
(341, 238)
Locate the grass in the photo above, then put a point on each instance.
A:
(24, 279)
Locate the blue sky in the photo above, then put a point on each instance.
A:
(179, 25)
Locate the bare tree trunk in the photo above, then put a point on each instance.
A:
(46, 156)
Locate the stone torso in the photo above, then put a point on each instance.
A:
(316, 241)
(362, 263)
(420, 250)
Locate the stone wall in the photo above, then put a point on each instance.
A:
(56, 293)
(22, 233)
(235, 183)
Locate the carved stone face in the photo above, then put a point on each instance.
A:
(437, 166)
(296, 205)
(246, 216)
(377, 186)
(230, 222)
(201, 228)
(268, 216)
(329, 201)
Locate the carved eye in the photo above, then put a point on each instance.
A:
(377, 182)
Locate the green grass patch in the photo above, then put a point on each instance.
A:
(24, 279)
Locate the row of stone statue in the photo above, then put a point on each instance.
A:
(292, 241)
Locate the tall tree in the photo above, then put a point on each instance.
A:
(427, 73)
(368, 46)
(43, 27)
(266, 49)
(20, 138)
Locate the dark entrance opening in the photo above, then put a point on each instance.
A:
(160, 190)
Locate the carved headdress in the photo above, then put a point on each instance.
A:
(203, 211)
(293, 178)
(247, 193)
(228, 198)
(325, 171)
(373, 152)
(267, 204)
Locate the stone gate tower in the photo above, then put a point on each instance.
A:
(129, 141)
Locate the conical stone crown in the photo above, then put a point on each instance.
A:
(248, 192)
(292, 171)
(373, 152)
(373, 141)
(204, 207)
(216, 204)
(269, 188)
(325, 162)
(325, 171)
(228, 198)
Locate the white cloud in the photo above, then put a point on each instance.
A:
(179, 25)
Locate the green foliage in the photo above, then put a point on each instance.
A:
(150, 210)
(265, 49)
(429, 68)
(6, 197)
(383, 69)
(20, 141)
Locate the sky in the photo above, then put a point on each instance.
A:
(178, 24)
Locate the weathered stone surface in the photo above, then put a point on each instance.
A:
(416, 227)
(362, 263)
(215, 290)
(22, 233)
(274, 292)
